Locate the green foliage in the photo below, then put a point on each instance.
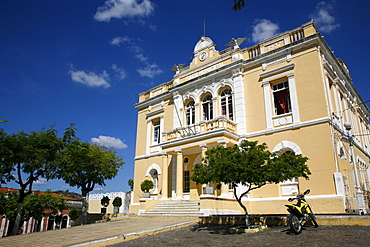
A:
(105, 201)
(5, 167)
(130, 183)
(238, 4)
(85, 165)
(249, 164)
(30, 155)
(117, 202)
(8, 204)
(74, 214)
(35, 204)
(146, 185)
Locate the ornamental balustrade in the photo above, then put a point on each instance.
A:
(220, 123)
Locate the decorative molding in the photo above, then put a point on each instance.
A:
(153, 167)
(277, 71)
(154, 113)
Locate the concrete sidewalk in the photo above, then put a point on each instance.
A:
(128, 228)
(98, 234)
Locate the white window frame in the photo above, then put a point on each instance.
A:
(207, 107)
(190, 112)
(278, 88)
(156, 131)
(227, 108)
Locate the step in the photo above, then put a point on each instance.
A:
(174, 209)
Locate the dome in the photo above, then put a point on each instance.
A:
(203, 43)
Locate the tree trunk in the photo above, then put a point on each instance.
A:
(17, 219)
(239, 200)
(84, 211)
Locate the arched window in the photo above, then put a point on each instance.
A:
(227, 104)
(207, 105)
(190, 112)
(154, 175)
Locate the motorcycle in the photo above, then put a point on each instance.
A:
(299, 213)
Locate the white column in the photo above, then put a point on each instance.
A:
(164, 177)
(176, 111)
(148, 134)
(293, 99)
(179, 175)
(267, 98)
(240, 115)
(204, 149)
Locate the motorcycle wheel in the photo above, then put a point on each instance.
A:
(313, 220)
(295, 224)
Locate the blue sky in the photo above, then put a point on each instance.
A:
(86, 61)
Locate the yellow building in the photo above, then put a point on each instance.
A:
(288, 91)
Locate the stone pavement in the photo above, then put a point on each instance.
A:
(218, 235)
(126, 231)
(99, 234)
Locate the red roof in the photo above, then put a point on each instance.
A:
(41, 193)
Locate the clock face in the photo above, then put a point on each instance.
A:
(203, 56)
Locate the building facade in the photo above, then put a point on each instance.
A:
(95, 207)
(288, 91)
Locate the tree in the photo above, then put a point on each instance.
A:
(146, 185)
(248, 164)
(130, 183)
(238, 4)
(5, 167)
(85, 165)
(74, 214)
(105, 201)
(30, 155)
(117, 203)
(36, 204)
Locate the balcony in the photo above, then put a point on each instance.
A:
(220, 123)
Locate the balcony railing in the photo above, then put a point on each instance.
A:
(199, 128)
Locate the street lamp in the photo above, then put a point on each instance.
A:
(359, 194)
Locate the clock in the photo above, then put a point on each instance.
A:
(203, 56)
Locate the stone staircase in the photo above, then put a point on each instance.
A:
(174, 209)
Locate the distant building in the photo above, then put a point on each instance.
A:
(47, 223)
(95, 207)
(289, 91)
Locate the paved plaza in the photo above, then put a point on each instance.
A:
(218, 235)
(136, 231)
(98, 234)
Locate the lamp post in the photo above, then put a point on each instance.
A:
(359, 194)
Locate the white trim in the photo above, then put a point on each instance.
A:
(287, 144)
(286, 127)
(151, 167)
(286, 198)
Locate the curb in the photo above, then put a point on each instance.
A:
(133, 235)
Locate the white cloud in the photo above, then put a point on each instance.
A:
(90, 78)
(40, 181)
(141, 58)
(118, 40)
(123, 8)
(324, 20)
(264, 29)
(150, 71)
(109, 142)
(120, 72)
(100, 189)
